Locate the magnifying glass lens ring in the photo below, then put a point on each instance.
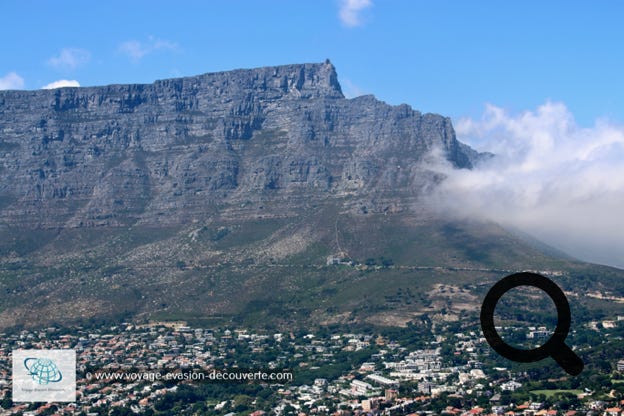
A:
(533, 280)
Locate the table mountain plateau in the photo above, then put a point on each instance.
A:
(259, 196)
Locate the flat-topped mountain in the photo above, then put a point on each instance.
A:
(260, 196)
(168, 152)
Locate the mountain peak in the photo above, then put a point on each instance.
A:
(308, 80)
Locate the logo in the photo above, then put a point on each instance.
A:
(43, 370)
(44, 375)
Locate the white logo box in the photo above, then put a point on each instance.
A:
(44, 375)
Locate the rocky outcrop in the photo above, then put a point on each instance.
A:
(184, 148)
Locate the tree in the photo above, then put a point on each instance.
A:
(6, 403)
(121, 411)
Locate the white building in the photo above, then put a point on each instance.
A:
(384, 381)
(510, 385)
(360, 388)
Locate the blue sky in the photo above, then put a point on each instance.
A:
(538, 83)
(448, 57)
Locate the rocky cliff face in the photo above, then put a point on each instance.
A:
(181, 149)
(229, 198)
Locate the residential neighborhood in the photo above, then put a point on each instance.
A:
(342, 373)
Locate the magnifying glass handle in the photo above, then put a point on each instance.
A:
(568, 360)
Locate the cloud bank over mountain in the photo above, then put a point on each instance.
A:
(552, 178)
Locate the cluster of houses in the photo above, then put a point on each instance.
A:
(393, 379)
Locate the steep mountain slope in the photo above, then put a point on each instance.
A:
(232, 196)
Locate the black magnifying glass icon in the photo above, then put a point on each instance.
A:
(555, 347)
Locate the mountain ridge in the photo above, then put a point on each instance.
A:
(121, 154)
(230, 197)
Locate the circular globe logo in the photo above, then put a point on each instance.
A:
(43, 370)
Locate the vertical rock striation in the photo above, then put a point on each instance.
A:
(181, 149)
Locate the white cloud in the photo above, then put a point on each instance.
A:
(70, 58)
(351, 90)
(11, 81)
(136, 50)
(133, 49)
(351, 11)
(558, 181)
(60, 84)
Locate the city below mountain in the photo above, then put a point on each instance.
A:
(261, 197)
